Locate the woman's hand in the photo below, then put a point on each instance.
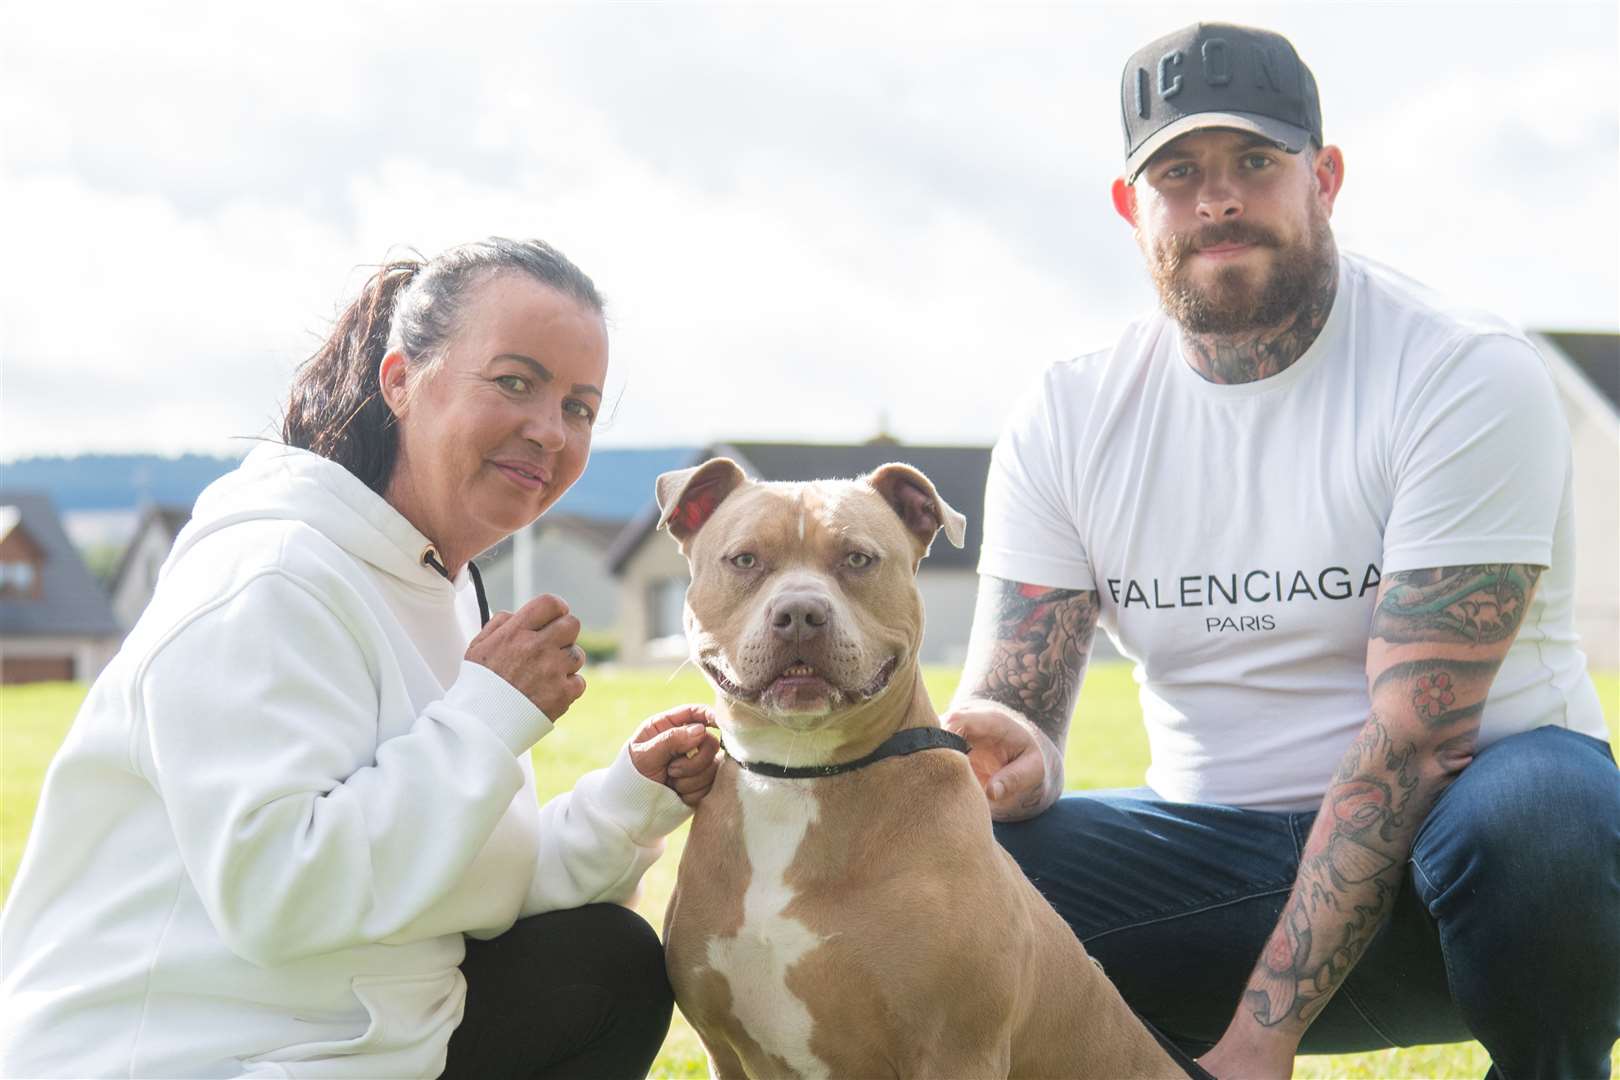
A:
(533, 649)
(676, 749)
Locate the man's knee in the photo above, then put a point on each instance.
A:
(1535, 820)
(1533, 797)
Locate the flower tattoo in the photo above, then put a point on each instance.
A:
(1433, 695)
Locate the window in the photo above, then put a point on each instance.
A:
(666, 600)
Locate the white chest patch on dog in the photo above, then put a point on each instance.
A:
(776, 814)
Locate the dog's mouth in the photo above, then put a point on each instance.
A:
(799, 680)
(727, 687)
(880, 680)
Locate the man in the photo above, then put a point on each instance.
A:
(1329, 518)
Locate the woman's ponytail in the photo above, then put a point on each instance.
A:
(335, 407)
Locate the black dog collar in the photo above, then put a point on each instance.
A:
(906, 741)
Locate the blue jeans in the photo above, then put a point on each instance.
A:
(1506, 928)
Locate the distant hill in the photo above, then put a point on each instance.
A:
(109, 482)
(616, 485)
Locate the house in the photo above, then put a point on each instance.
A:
(563, 551)
(1586, 370)
(137, 572)
(564, 556)
(653, 577)
(55, 622)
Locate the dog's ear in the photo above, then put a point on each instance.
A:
(920, 508)
(688, 497)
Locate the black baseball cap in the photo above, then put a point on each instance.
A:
(1216, 75)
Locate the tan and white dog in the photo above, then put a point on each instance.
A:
(832, 922)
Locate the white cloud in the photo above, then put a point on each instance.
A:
(129, 324)
(803, 217)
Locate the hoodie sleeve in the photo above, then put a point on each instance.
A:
(598, 839)
(301, 831)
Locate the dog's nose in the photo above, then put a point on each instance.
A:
(798, 616)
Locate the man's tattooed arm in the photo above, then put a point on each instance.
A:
(1468, 604)
(1028, 651)
(1437, 639)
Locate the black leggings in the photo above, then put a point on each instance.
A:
(577, 994)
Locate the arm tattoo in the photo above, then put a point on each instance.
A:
(1436, 687)
(1029, 649)
(1347, 879)
(1472, 604)
(1437, 640)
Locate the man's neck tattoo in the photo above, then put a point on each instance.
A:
(1251, 355)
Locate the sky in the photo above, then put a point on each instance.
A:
(810, 221)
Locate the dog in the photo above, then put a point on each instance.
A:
(842, 908)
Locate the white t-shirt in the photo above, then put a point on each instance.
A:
(1236, 534)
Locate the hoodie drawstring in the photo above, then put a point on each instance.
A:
(431, 558)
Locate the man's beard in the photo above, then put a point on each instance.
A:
(1234, 302)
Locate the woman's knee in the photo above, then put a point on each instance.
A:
(629, 949)
(629, 971)
(581, 992)
(603, 945)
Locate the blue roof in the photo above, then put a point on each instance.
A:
(619, 482)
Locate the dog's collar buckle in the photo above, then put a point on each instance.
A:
(905, 741)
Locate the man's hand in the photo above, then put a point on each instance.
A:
(676, 749)
(1026, 657)
(533, 649)
(1020, 769)
(1228, 1061)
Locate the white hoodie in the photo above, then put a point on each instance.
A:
(284, 802)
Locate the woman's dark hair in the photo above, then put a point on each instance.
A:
(336, 408)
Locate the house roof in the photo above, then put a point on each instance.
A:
(72, 604)
(615, 484)
(958, 472)
(1596, 354)
(169, 520)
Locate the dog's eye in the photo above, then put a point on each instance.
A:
(745, 561)
(858, 560)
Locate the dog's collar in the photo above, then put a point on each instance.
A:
(905, 741)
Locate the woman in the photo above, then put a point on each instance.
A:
(305, 777)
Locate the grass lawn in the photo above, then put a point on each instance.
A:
(1107, 748)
